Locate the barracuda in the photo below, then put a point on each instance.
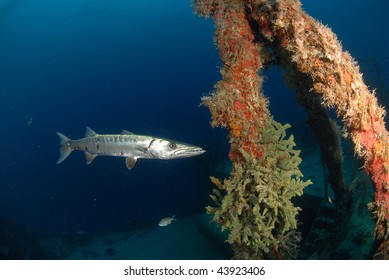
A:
(128, 145)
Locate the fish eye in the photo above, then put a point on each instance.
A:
(172, 145)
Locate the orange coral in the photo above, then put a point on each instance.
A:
(239, 105)
(252, 149)
(347, 78)
(236, 129)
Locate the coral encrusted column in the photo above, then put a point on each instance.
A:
(307, 46)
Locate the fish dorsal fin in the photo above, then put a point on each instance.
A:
(130, 162)
(126, 132)
(89, 157)
(89, 132)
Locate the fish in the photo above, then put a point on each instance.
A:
(128, 145)
(166, 221)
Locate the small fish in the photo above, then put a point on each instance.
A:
(166, 221)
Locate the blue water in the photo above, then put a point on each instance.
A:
(136, 65)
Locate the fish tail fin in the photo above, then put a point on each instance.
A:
(65, 149)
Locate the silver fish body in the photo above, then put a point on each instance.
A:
(128, 145)
(166, 221)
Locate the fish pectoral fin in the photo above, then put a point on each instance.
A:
(89, 157)
(141, 149)
(130, 162)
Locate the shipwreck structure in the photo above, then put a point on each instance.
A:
(254, 203)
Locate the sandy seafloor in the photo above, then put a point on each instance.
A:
(182, 239)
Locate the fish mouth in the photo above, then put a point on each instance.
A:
(188, 152)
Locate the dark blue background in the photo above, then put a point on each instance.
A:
(135, 65)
